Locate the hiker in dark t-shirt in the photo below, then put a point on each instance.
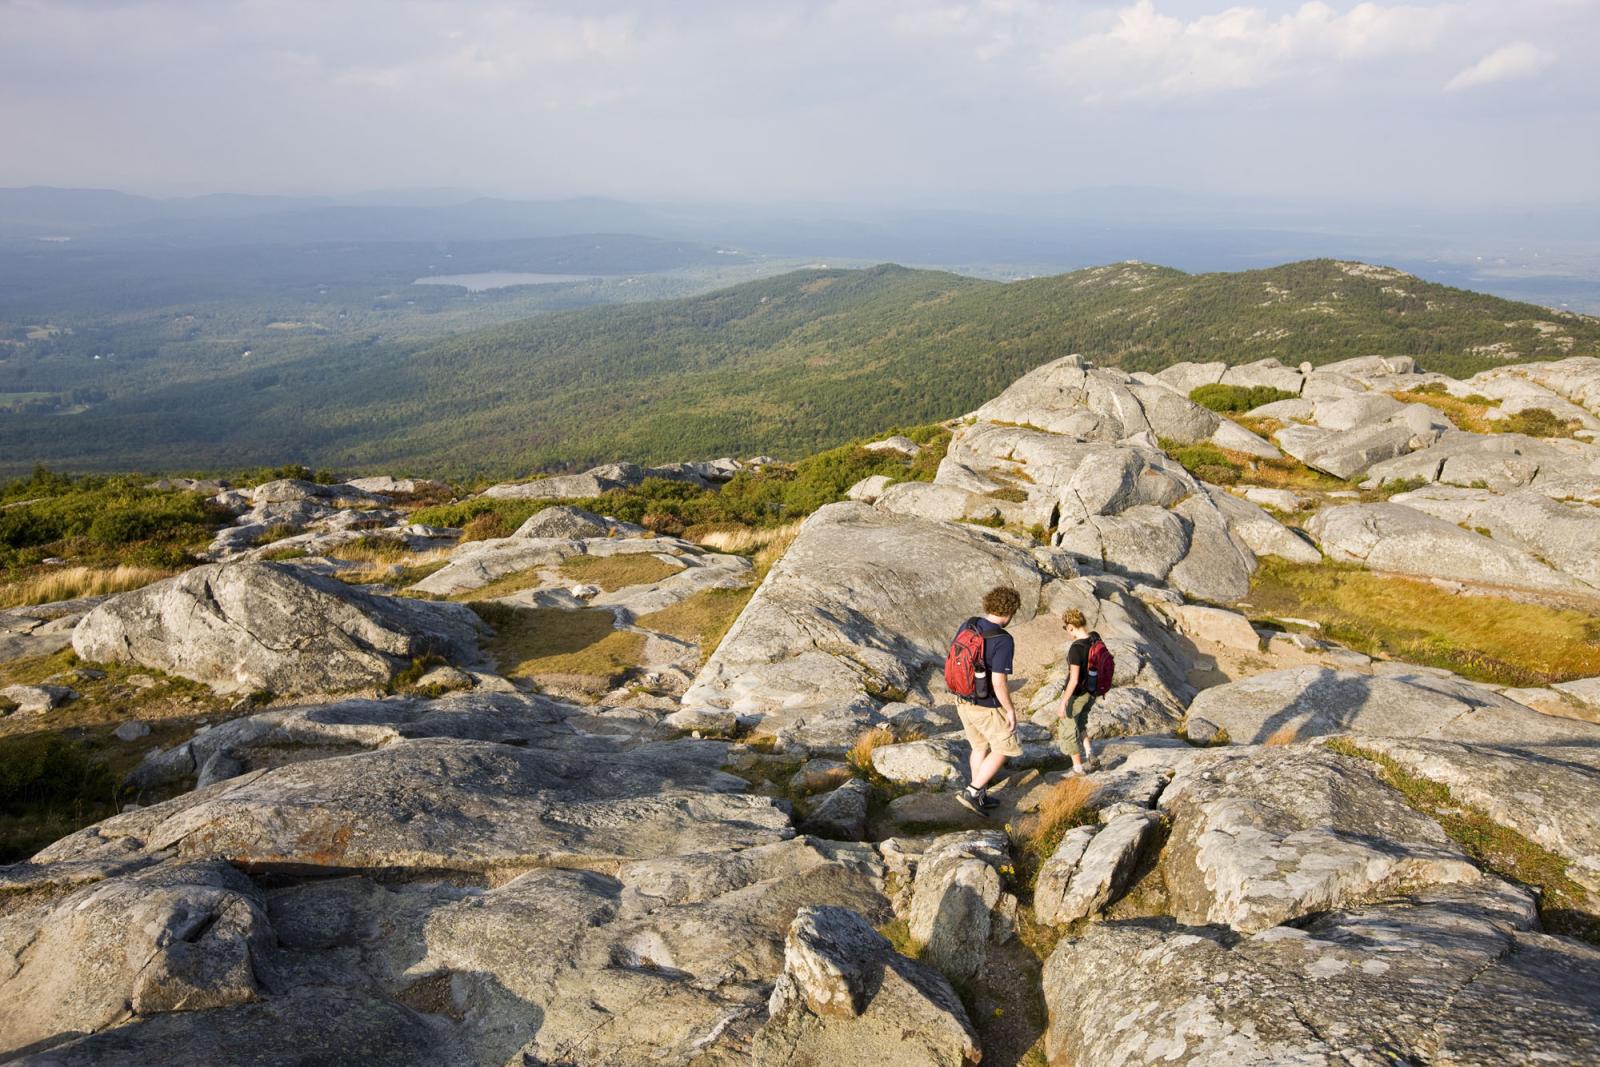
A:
(990, 721)
(1072, 713)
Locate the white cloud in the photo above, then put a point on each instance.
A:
(1518, 60)
(1145, 53)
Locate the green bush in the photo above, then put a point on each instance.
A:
(1206, 462)
(1237, 398)
(104, 512)
(1539, 422)
(767, 497)
(47, 768)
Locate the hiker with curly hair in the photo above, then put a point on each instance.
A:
(978, 673)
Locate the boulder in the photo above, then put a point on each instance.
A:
(845, 996)
(254, 626)
(1445, 975)
(566, 523)
(868, 489)
(35, 699)
(1398, 539)
(1269, 835)
(448, 804)
(1261, 533)
(179, 937)
(590, 483)
(1235, 438)
(1218, 625)
(1585, 691)
(384, 483)
(1543, 791)
(863, 602)
(1308, 701)
(1070, 397)
(1346, 454)
(842, 814)
(898, 443)
(938, 503)
(317, 1024)
(957, 888)
(820, 775)
(1563, 534)
(1218, 564)
(1088, 871)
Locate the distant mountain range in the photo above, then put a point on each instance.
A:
(786, 365)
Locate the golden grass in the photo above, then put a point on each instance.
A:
(486, 527)
(747, 540)
(703, 618)
(1489, 639)
(65, 583)
(1069, 803)
(617, 572)
(1260, 425)
(1466, 413)
(529, 642)
(372, 550)
(1282, 736)
(860, 755)
(412, 568)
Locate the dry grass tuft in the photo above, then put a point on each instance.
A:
(65, 583)
(1283, 736)
(748, 540)
(860, 756)
(401, 569)
(1069, 804)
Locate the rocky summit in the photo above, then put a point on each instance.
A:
(597, 789)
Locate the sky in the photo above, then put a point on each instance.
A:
(918, 102)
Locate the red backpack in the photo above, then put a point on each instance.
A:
(963, 665)
(1102, 666)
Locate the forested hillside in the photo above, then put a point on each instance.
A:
(787, 365)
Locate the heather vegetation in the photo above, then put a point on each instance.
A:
(1230, 399)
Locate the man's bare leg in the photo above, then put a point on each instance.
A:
(984, 770)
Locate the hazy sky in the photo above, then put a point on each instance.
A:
(924, 101)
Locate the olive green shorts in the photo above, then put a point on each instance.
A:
(1072, 729)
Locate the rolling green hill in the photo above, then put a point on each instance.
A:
(787, 365)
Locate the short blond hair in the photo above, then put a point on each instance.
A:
(1002, 602)
(1072, 619)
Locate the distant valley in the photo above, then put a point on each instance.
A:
(786, 365)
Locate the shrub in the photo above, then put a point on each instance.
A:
(1235, 398)
(486, 526)
(46, 768)
(1206, 462)
(1539, 422)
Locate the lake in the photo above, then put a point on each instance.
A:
(500, 279)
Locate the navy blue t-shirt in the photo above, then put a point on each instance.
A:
(998, 650)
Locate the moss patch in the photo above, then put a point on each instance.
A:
(1489, 639)
(63, 769)
(1565, 907)
(618, 572)
(531, 642)
(703, 618)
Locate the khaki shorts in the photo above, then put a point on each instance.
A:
(986, 729)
